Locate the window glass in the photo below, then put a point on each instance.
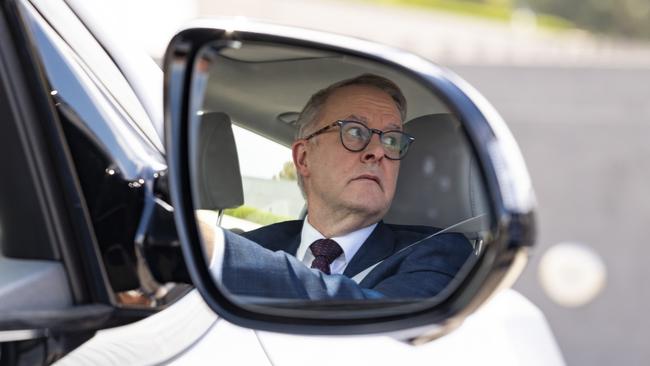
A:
(271, 192)
(23, 227)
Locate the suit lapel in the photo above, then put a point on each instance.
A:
(284, 236)
(289, 240)
(293, 244)
(379, 246)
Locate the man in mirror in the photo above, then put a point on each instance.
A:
(347, 155)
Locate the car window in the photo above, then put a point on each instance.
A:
(20, 208)
(110, 154)
(271, 192)
(268, 95)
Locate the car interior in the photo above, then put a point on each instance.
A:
(262, 89)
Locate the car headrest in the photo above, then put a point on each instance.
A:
(439, 183)
(214, 165)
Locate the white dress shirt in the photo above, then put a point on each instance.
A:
(350, 243)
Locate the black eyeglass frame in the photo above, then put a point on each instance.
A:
(380, 133)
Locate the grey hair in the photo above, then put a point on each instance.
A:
(310, 113)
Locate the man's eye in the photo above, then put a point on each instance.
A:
(391, 141)
(354, 132)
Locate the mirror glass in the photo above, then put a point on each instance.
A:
(324, 180)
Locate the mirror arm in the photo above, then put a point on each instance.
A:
(162, 249)
(159, 246)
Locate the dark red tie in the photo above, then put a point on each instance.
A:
(325, 252)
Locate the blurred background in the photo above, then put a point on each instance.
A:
(572, 80)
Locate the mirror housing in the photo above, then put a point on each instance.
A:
(509, 189)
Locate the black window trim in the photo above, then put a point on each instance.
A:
(53, 171)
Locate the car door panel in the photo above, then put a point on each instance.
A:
(53, 287)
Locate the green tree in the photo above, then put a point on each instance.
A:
(288, 171)
(629, 18)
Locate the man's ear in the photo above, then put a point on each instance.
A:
(299, 154)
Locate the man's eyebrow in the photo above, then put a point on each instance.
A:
(357, 118)
(392, 126)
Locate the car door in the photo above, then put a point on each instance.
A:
(54, 291)
(82, 202)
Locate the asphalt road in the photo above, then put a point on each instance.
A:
(584, 134)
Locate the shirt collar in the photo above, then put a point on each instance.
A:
(350, 243)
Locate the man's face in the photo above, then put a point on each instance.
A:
(342, 181)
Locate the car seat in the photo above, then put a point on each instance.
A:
(214, 164)
(439, 183)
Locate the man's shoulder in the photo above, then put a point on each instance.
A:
(275, 232)
(411, 233)
(416, 229)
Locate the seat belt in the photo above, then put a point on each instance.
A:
(468, 225)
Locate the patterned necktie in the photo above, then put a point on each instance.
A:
(325, 252)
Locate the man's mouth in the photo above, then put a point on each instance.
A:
(370, 177)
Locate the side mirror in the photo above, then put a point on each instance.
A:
(446, 225)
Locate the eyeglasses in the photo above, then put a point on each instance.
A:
(355, 136)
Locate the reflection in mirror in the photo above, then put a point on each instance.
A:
(322, 178)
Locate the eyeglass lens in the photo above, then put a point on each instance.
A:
(355, 137)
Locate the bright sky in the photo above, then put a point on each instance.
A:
(152, 23)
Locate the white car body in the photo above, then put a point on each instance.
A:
(507, 330)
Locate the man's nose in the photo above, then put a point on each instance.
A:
(374, 151)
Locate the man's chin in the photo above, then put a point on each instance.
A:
(368, 209)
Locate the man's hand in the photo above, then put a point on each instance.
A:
(206, 232)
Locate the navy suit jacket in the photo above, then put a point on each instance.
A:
(262, 263)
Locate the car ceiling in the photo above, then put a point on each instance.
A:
(263, 87)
